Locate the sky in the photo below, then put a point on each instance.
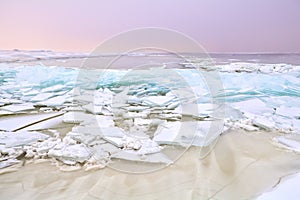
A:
(218, 25)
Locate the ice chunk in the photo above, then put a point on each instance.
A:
(136, 108)
(71, 153)
(148, 147)
(20, 138)
(8, 163)
(31, 93)
(196, 133)
(53, 88)
(76, 117)
(18, 107)
(14, 123)
(93, 135)
(134, 100)
(264, 123)
(53, 123)
(93, 108)
(288, 111)
(42, 97)
(73, 108)
(100, 121)
(197, 109)
(119, 142)
(9, 100)
(112, 132)
(84, 98)
(3, 112)
(154, 101)
(248, 127)
(54, 101)
(173, 105)
(85, 138)
(45, 146)
(107, 147)
(253, 106)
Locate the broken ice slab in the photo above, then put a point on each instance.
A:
(44, 146)
(20, 138)
(42, 97)
(290, 141)
(288, 111)
(4, 101)
(134, 100)
(54, 101)
(76, 117)
(196, 133)
(17, 122)
(73, 108)
(173, 105)
(70, 154)
(196, 110)
(246, 126)
(87, 139)
(95, 109)
(8, 163)
(53, 123)
(18, 107)
(54, 88)
(217, 111)
(263, 122)
(103, 97)
(95, 135)
(132, 155)
(31, 93)
(118, 142)
(148, 147)
(99, 121)
(112, 131)
(136, 108)
(159, 101)
(282, 123)
(84, 98)
(4, 112)
(296, 124)
(100, 131)
(253, 107)
(130, 115)
(170, 116)
(105, 147)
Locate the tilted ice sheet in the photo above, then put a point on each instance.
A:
(20, 138)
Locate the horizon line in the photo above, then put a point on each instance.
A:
(208, 52)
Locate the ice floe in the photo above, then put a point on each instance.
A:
(20, 138)
(17, 122)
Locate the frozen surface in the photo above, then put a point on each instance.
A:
(288, 189)
(132, 114)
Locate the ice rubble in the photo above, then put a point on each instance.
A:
(239, 67)
(133, 119)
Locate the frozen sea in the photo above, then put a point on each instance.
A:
(51, 101)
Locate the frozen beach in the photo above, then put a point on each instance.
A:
(171, 128)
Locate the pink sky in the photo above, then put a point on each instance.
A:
(219, 25)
